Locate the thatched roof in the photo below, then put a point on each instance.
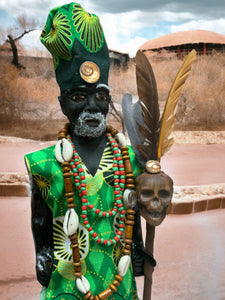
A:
(184, 38)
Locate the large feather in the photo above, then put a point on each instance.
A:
(168, 115)
(148, 98)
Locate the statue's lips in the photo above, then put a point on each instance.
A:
(92, 122)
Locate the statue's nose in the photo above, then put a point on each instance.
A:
(91, 105)
(155, 203)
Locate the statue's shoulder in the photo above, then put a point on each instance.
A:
(42, 162)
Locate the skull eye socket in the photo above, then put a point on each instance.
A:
(164, 194)
(147, 193)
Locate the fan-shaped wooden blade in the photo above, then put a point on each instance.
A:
(168, 115)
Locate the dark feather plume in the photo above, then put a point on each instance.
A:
(148, 98)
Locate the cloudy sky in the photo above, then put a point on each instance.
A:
(127, 23)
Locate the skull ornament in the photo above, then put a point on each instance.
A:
(154, 194)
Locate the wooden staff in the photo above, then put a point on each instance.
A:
(148, 268)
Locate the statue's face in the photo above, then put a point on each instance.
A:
(86, 108)
(154, 194)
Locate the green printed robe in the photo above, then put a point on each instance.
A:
(99, 262)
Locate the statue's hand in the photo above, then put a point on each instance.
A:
(44, 264)
(139, 256)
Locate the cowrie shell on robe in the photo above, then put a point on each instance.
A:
(71, 222)
(83, 284)
(58, 154)
(120, 137)
(123, 265)
(129, 198)
(63, 151)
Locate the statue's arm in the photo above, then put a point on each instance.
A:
(42, 229)
(138, 253)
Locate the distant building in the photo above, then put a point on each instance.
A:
(118, 58)
(182, 42)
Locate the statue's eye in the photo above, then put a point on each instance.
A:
(146, 193)
(102, 97)
(78, 98)
(164, 194)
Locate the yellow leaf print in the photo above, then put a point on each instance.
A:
(94, 184)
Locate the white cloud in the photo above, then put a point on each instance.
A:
(125, 31)
(32, 40)
(212, 25)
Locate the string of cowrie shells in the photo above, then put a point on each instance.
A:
(64, 154)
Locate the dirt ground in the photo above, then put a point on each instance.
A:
(189, 250)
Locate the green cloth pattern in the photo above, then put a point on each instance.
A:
(73, 36)
(99, 262)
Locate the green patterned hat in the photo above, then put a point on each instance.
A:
(73, 36)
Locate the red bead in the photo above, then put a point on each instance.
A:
(123, 181)
(116, 192)
(82, 177)
(84, 192)
(91, 206)
(105, 242)
(99, 241)
(122, 212)
(77, 180)
(84, 216)
(90, 229)
(111, 241)
(110, 212)
(119, 232)
(95, 235)
(122, 172)
(83, 185)
(97, 211)
(121, 166)
(84, 207)
(120, 205)
(84, 200)
(85, 222)
(104, 213)
(81, 170)
(116, 238)
(121, 225)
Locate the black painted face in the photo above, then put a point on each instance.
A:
(93, 99)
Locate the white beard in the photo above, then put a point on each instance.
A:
(82, 129)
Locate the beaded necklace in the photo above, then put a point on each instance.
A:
(119, 184)
(123, 176)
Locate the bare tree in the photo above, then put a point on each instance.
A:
(24, 26)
